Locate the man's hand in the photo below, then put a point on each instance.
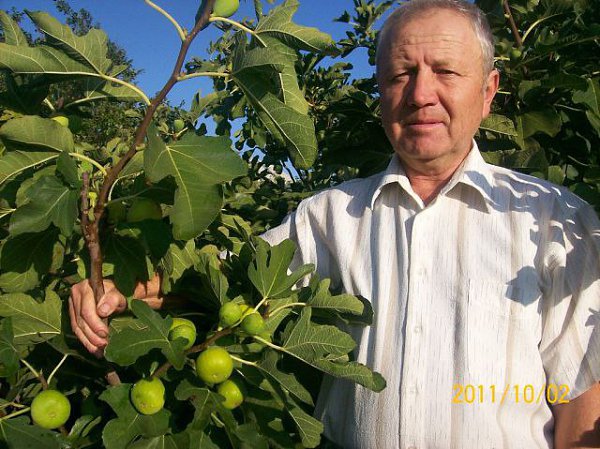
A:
(577, 424)
(86, 316)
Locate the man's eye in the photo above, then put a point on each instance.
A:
(445, 72)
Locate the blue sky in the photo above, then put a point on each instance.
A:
(151, 41)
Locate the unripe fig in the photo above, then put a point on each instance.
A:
(50, 409)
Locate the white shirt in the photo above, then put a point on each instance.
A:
(492, 288)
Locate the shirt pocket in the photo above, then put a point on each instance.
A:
(499, 324)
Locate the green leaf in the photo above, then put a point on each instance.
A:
(200, 440)
(546, 121)
(162, 442)
(14, 162)
(203, 400)
(279, 24)
(66, 166)
(292, 129)
(214, 283)
(128, 259)
(288, 381)
(591, 96)
(498, 124)
(325, 347)
(9, 355)
(250, 434)
(309, 428)
(127, 346)
(19, 434)
(32, 321)
(287, 77)
(89, 49)
(268, 271)
(33, 133)
(25, 259)
(179, 257)
(41, 60)
(129, 424)
(11, 30)
(50, 202)
(324, 300)
(198, 164)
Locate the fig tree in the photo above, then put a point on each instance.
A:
(143, 209)
(225, 8)
(214, 365)
(148, 396)
(50, 409)
(183, 328)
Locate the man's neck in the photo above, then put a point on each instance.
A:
(427, 179)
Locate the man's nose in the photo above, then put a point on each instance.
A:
(422, 89)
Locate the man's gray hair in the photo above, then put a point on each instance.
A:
(413, 8)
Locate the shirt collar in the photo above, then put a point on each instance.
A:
(473, 171)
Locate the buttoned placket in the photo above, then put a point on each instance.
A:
(415, 352)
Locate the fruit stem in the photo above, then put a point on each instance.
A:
(280, 308)
(170, 18)
(57, 367)
(90, 160)
(12, 415)
(240, 26)
(262, 301)
(49, 104)
(242, 361)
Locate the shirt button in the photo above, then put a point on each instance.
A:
(422, 271)
(412, 389)
(417, 329)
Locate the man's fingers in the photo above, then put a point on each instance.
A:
(111, 302)
(96, 350)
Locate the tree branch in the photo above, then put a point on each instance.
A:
(91, 228)
(513, 25)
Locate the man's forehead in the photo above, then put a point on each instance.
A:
(402, 39)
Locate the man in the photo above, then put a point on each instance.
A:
(485, 282)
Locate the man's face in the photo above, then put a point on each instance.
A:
(433, 95)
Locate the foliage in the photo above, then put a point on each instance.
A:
(57, 185)
(299, 123)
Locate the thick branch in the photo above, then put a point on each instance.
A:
(91, 230)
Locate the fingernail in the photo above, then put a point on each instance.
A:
(103, 310)
(102, 334)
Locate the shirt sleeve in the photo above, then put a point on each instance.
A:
(570, 345)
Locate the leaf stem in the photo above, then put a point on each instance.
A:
(198, 74)
(31, 368)
(129, 85)
(12, 415)
(90, 160)
(170, 18)
(242, 361)
(37, 374)
(240, 26)
(57, 367)
(280, 308)
(268, 343)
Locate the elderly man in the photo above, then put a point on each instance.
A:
(485, 282)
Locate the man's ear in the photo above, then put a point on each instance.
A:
(489, 91)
